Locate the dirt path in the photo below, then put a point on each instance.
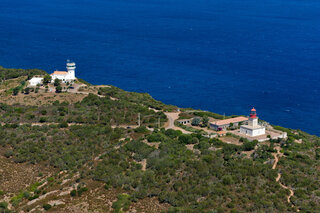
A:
(125, 126)
(276, 158)
(43, 124)
(172, 116)
(274, 166)
(86, 93)
(71, 124)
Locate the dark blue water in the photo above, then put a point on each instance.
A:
(223, 56)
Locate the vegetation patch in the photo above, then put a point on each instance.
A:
(122, 204)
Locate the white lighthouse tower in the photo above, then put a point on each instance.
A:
(71, 69)
(253, 128)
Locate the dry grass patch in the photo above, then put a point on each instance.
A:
(15, 177)
(36, 99)
(149, 205)
(230, 140)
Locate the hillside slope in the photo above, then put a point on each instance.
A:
(88, 154)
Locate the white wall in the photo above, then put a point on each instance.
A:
(257, 132)
(253, 132)
(35, 81)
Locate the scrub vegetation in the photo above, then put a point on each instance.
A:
(97, 158)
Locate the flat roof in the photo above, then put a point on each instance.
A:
(252, 127)
(36, 78)
(185, 119)
(230, 120)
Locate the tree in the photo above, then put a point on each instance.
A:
(27, 90)
(47, 79)
(205, 120)
(58, 89)
(73, 193)
(56, 82)
(15, 91)
(195, 122)
(317, 153)
(185, 139)
(249, 145)
(46, 206)
(195, 140)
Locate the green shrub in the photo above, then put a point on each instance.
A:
(227, 180)
(8, 153)
(63, 125)
(26, 194)
(16, 90)
(196, 121)
(81, 190)
(249, 145)
(141, 129)
(4, 207)
(46, 206)
(185, 139)
(173, 133)
(122, 203)
(43, 120)
(73, 193)
(50, 179)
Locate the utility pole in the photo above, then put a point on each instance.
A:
(159, 122)
(139, 119)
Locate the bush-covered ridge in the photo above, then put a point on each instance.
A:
(134, 97)
(91, 110)
(10, 73)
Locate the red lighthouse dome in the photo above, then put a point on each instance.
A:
(253, 113)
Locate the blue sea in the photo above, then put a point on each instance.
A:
(217, 55)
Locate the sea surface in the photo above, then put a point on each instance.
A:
(217, 55)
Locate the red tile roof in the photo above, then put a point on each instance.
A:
(230, 120)
(59, 73)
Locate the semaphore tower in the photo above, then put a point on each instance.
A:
(71, 69)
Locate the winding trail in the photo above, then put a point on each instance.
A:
(274, 166)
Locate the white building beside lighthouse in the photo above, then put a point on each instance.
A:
(65, 76)
(253, 128)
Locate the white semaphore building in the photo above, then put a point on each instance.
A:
(253, 128)
(65, 76)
